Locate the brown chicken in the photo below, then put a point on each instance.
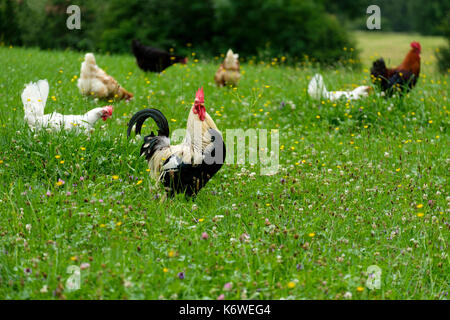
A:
(96, 82)
(229, 70)
(404, 77)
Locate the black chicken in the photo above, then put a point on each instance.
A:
(154, 59)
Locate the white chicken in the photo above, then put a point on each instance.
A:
(317, 90)
(95, 82)
(34, 99)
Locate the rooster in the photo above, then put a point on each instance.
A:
(317, 90)
(34, 99)
(186, 167)
(96, 82)
(404, 77)
(229, 71)
(153, 59)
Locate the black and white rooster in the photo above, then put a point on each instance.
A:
(188, 166)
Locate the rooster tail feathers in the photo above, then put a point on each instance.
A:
(151, 143)
(139, 118)
(34, 98)
(378, 69)
(316, 87)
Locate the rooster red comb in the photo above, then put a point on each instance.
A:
(109, 110)
(416, 45)
(200, 96)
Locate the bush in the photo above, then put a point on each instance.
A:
(8, 27)
(294, 28)
(443, 53)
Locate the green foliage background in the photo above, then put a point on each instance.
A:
(296, 29)
(291, 28)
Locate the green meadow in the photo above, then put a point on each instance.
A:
(359, 183)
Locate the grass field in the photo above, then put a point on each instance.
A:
(359, 184)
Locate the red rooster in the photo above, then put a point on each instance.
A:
(404, 77)
(186, 167)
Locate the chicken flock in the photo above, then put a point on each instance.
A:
(188, 166)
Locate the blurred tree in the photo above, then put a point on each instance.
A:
(9, 30)
(294, 28)
(443, 53)
(163, 24)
